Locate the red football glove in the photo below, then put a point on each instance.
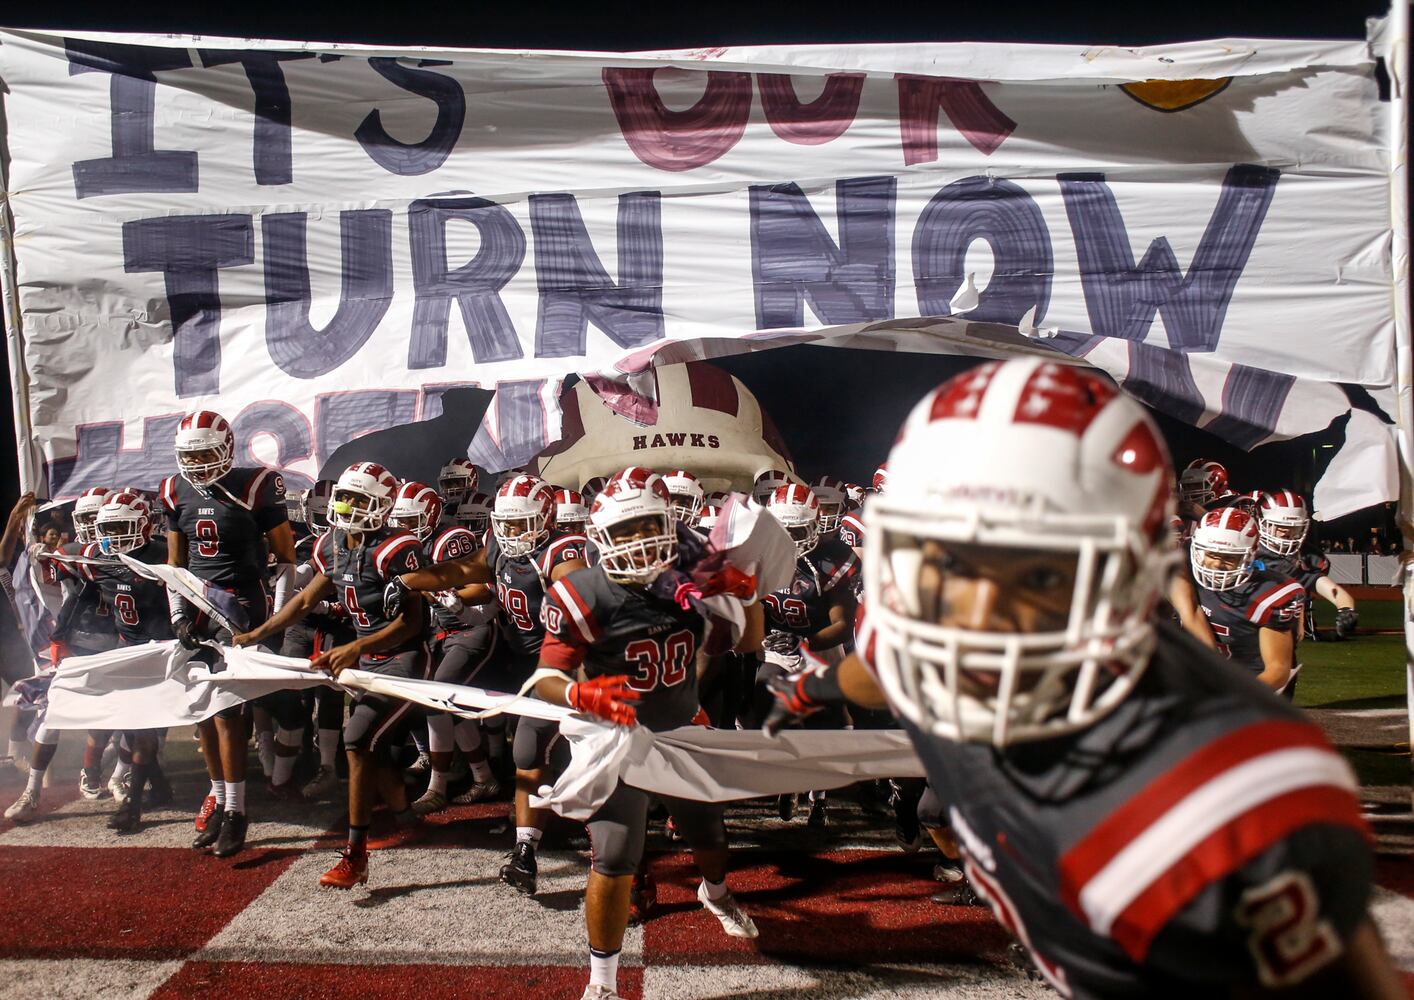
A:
(609, 698)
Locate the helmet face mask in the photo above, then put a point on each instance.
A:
(205, 448)
(631, 524)
(1010, 590)
(797, 510)
(124, 524)
(362, 498)
(1282, 523)
(416, 508)
(523, 515)
(474, 514)
(85, 514)
(316, 504)
(457, 480)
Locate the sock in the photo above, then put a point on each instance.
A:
(358, 839)
(218, 791)
(528, 834)
(92, 757)
(480, 772)
(603, 968)
(715, 890)
(328, 746)
(496, 741)
(36, 776)
(265, 740)
(283, 770)
(438, 782)
(439, 734)
(235, 796)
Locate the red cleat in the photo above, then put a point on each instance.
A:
(351, 870)
(204, 813)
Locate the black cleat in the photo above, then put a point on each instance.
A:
(522, 870)
(232, 838)
(817, 818)
(785, 806)
(127, 818)
(208, 837)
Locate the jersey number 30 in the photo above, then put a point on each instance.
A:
(659, 662)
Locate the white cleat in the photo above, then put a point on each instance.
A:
(734, 919)
(479, 792)
(323, 784)
(90, 789)
(24, 809)
(595, 992)
(119, 788)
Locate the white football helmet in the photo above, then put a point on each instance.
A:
(124, 523)
(830, 492)
(1202, 482)
(1229, 535)
(687, 495)
(570, 511)
(880, 482)
(457, 480)
(416, 508)
(767, 483)
(707, 520)
(523, 515)
(85, 514)
(1024, 455)
(474, 514)
(631, 523)
(592, 488)
(363, 497)
(799, 513)
(316, 504)
(1283, 522)
(206, 448)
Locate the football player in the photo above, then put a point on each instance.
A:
(1282, 526)
(464, 640)
(817, 608)
(323, 628)
(767, 483)
(355, 561)
(600, 619)
(220, 521)
(524, 555)
(124, 525)
(570, 511)
(834, 503)
(457, 481)
(688, 496)
(1254, 616)
(1143, 819)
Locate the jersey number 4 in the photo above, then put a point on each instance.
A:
(659, 662)
(356, 613)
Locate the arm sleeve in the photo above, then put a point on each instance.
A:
(286, 585)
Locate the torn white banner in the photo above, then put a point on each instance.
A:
(157, 685)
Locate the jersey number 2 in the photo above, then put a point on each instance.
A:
(1289, 938)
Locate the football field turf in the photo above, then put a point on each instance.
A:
(842, 913)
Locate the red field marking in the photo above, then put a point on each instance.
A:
(857, 907)
(124, 902)
(264, 981)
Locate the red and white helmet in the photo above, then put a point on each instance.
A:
(523, 515)
(631, 524)
(717, 499)
(830, 492)
(416, 508)
(85, 513)
(457, 480)
(316, 504)
(1222, 548)
(474, 514)
(687, 495)
(707, 520)
(592, 488)
(363, 497)
(880, 482)
(798, 511)
(124, 523)
(1202, 481)
(206, 448)
(1283, 522)
(1037, 455)
(570, 511)
(855, 494)
(767, 483)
